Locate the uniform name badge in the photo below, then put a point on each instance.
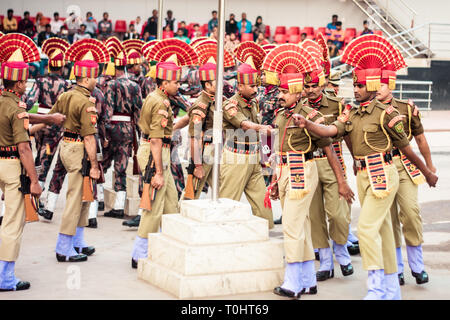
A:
(297, 177)
(377, 175)
(413, 172)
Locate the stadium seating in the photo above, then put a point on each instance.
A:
(167, 34)
(247, 37)
(120, 26)
(294, 38)
(309, 31)
(267, 33)
(280, 30)
(279, 38)
(293, 31)
(204, 29)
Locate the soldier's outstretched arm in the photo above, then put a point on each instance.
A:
(156, 150)
(90, 144)
(48, 119)
(318, 129)
(424, 148)
(181, 123)
(262, 128)
(430, 176)
(343, 187)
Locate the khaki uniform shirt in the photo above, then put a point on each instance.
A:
(235, 111)
(363, 125)
(13, 120)
(156, 117)
(329, 110)
(411, 120)
(201, 114)
(299, 139)
(79, 108)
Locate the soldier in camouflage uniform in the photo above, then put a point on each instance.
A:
(191, 78)
(123, 101)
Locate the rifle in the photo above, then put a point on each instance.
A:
(191, 183)
(146, 198)
(88, 183)
(136, 169)
(101, 179)
(31, 202)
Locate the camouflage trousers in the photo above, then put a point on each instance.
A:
(59, 173)
(47, 141)
(119, 150)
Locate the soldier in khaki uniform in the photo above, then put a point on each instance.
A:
(407, 194)
(16, 156)
(373, 129)
(326, 203)
(78, 142)
(156, 124)
(296, 176)
(240, 169)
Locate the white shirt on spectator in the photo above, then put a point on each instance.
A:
(56, 25)
(79, 36)
(91, 26)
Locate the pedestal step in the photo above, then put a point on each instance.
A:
(211, 259)
(223, 210)
(185, 287)
(191, 232)
(131, 204)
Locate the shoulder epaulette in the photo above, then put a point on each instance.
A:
(312, 114)
(390, 109)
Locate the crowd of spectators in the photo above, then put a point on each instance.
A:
(75, 28)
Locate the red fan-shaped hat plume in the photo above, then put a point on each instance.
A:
(135, 44)
(164, 49)
(207, 50)
(249, 49)
(9, 43)
(79, 49)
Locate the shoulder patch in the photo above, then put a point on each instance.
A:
(92, 99)
(196, 119)
(343, 117)
(91, 109)
(202, 105)
(163, 112)
(22, 105)
(93, 119)
(390, 109)
(395, 120)
(199, 112)
(233, 102)
(23, 115)
(164, 122)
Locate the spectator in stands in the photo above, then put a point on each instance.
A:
(303, 36)
(105, 27)
(25, 25)
(184, 28)
(9, 22)
(213, 22)
(180, 35)
(366, 29)
(73, 23)
(214, 34)
(138, 25)
(231, 25)
(232, 43)
(91, 25)
(337, 35)
(81, 34)
(332, 25)
(171, 21)
(258, 27)
(63, 33)
(146, 36)
(44, 35)
(131, 34)
(152, 25)
(332, 48)
(247, 27)
(261, 39)
(40, 22)
(56, 23)
(197, 32)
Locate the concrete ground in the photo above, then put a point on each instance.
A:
(108, 274)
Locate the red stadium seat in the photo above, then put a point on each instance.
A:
(294, 38)
(247, 37)
(309, 31)
(280, 38)
(133, 22)
(204, 29)
(33, 20)
(120, 26)
(267, 33)
(18, 18)
(310, 37)
(378, 32)
(167, 34)
(280, 30)
(350, 32)
(322, 30)
(293, 31)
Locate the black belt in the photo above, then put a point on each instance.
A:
(242, 146)
(308, 156)
(72, 135)
(9, 152)
(361, 164)
(207, 139)
(396, 152)
(165, 140)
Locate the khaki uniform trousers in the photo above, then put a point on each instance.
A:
(166, 200)
(376, 238)
(243, 173)
(208, 160)
(409, 214)
(14, 215)
(298, 246)
(327, 205)
(76, 211)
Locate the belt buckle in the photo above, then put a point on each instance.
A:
(358, 164)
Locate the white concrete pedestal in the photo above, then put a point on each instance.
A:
(212, 249)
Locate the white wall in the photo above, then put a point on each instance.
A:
(302, 13)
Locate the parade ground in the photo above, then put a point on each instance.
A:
(108, 273)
